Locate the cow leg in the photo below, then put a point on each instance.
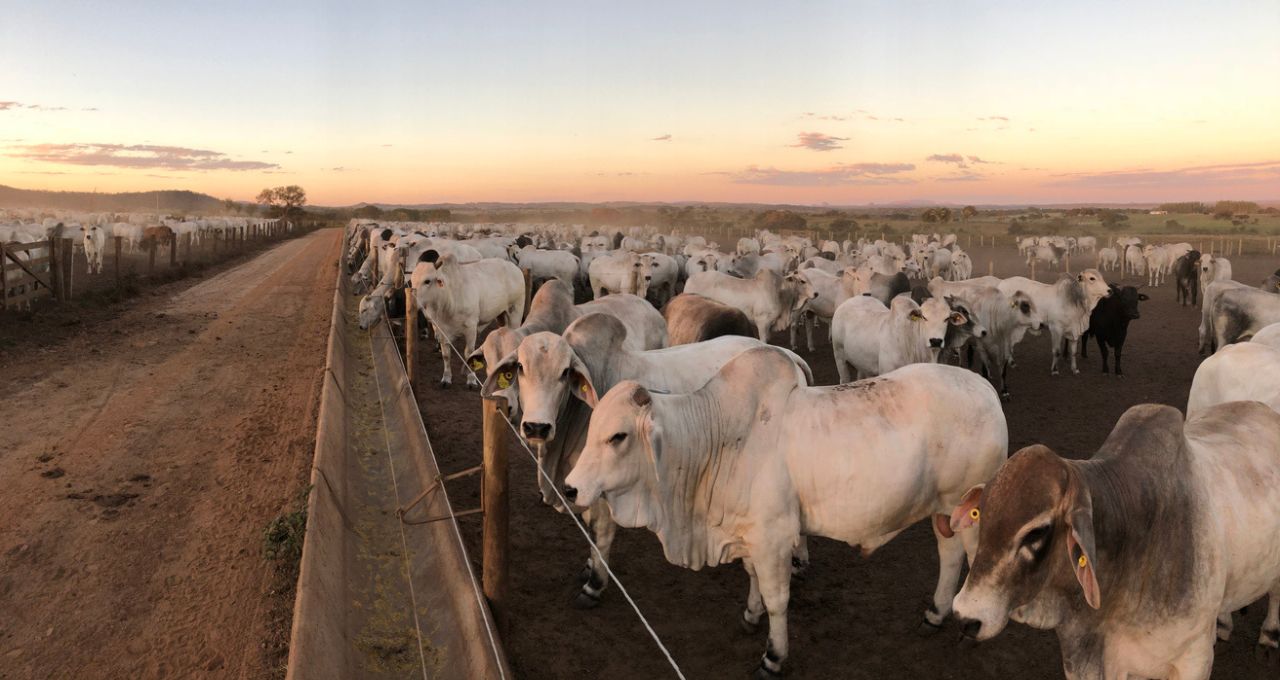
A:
(810, 320)
(1084, 345)
(1119, 371)
(762, 330)
(792, 334)
(755, 602)
(1055, 343)
(1072, 345)
(1268, 649)
(597, 577)
(446, 379)
(773, 571)
(950, 559)
(1196, 661)
(470, 334)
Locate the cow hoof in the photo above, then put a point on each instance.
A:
(1053, 372)
(763, 673)
(1005, 396)
(1075, 371)
(444, 384)
(585, 600)
(1267, 655)
(928, 629)
(585, 574)
(1120, 376)
(748, 627)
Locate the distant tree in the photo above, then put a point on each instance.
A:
(967, 212)
(437, 215)
(282, 201)
(370, 212)
(778, 220)
(1185, 207)
(230, 205)
(1235, 207)
(1017, 227)
(843, 225)
(1112, 220)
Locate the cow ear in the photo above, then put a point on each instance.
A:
(501, 376)
(1080, 551)
(580, 383)
(476, 360)
(966, 514)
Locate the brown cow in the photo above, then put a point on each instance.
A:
(693, 318)
(162, 235)
(1132, 555)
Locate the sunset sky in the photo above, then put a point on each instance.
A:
(840, 102)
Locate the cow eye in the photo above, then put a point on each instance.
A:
(520, 368)
(618, 438)
(1035, 540)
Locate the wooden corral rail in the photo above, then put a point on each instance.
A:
(25, 272)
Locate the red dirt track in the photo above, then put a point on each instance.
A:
(143, 457)
(849, 617)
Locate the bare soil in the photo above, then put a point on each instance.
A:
(143, 455)
(850, 617)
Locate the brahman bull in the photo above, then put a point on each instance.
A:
(1132, 555)
(748, 465)
(557, 380)
(461, 299)
(874, 339)
(1065, 307)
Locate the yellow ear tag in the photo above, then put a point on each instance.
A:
(583, 387)
(477, 364)
(973, 514)
(1082, 561)
(504, 380)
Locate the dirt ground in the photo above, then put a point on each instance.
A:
(143, 456)
(850, 617)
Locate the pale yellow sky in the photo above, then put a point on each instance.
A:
(839, 103)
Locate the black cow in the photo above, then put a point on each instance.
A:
(1186, 276)
(1109, 323)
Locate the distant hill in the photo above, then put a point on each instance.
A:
(140, 201)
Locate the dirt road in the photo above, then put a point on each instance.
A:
(141, 461)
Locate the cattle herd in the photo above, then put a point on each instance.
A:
(658, 402)
(91, 233)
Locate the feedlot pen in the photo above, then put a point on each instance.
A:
(850, 617)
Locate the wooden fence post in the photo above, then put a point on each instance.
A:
(117, 240)
(173, 251)
(4, 278)
(1068, 264)
(496, 506)
(410, 337)
(55, 270)
(991, 267)
(186, 249)
(69, 261)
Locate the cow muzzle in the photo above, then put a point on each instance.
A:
(935, 343)
(536, 432)
(570, 493)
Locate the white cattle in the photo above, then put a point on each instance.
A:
(129, 233)
(1208, 300)
(1247, 371)
(558, 379)
(1064, 306)
(1213, 269)
(1158, 263)
(1135, 262)
(1132, 555)
(875, 339)
(1108, 259)
(1007, 318)
(940, 263)
(95, 243)
(1088, 243)
(617, 272)
(747, 245)
(661, 274)
(1269, 336)
(461, 299)
(754, 461)
(547, 264)
(769, 300)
